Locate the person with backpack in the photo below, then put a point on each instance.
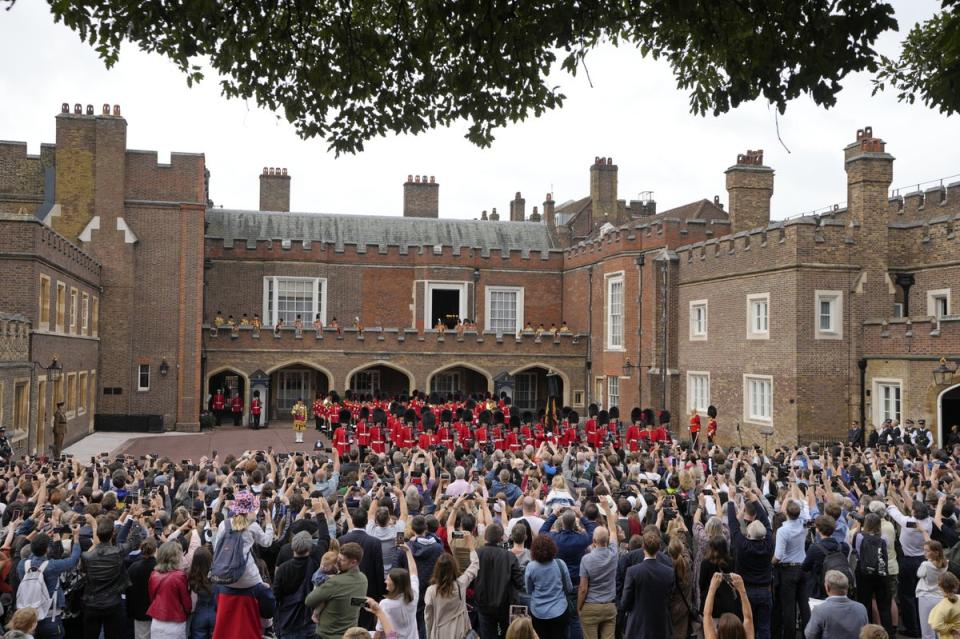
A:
(873, 561)
(138, 594)
(825, 554)
(107, 577)
(39, 579)
(234, 565)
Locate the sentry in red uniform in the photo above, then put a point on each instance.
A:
(341, 440)
(219, 402)
(376, 440)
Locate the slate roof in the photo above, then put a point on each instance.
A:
(699, 210)
(335, 229)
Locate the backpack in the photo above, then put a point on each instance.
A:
(33, 592)
(872, 558)
(229, 560)
(836, 560)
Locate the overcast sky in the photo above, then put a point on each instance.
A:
(633, 113)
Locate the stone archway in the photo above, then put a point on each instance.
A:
(540, 371)
(380, 376)
(293, 380)
(220, 378)
(464, 372)
(948, 411)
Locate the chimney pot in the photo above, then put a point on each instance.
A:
(266, 171)
(106, 109)
(78, 109)
(89, 109)
(284, 171)
(274, 193)
(65, 107)
(409, 178)
(549, 197)
(421, 196)
(116, 109)
(432, 180)
(609, 161)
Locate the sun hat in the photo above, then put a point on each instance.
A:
(244, 503)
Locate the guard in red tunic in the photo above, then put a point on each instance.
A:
(526, 428)
(694, 427)
(513, 437)
(445, 434)
(377, 445)
(482, 434)
(236, 407)
(341, 436)
(407, 431)
(662, 432)
(711, 423)
(633, 431)
(319, 413)
(219, 403)
(363, 430)
(571, 433)
(256, 407)
(595, 437)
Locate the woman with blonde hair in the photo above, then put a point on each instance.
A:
(445, 606)
(522, 628)
(702, 534)
(243, 520)
(559, 495)
(928, 590)
(681, 606)
(944, 619)
(170, 603)
(24, 620)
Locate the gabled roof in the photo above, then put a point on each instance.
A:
(699, 210)
(375, 230)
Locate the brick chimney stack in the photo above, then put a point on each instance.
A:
(749, 188)
(518, 206)
(274, 190)
(421, 197)
(535, 216)
(603, 192)
(869, 174)
(548, 215)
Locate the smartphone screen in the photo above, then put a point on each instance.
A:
(400, 539)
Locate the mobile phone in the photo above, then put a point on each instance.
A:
(457, 534)
(184, 462)
(128, 499)
(358, 601)
(707, 491)
(400, 540)
(328, 450)
(911, 524)
(104, 454)
(517, 611)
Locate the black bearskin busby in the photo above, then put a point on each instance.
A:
(514, 421)
(410, 416)
(344, 416)
(379, 416)
(664, 417)
(446, 416)
(648, 417)
(592, 410)
(603, 417)
(712, 411)
(573, 417)
(636, 415)
(614, 413)
(526, 417)
(428, 418)
(498, 417)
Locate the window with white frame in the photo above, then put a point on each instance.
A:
(758, 398)
(61, 306)
(286, 297)
(613, 391)
(938, 303)
(887, 393)
(44, 303)
(698, 320)
(578, 398)
(614, 324)
(143, 377)
(758, 316)
(85, 314)
(525, 390)
(504, 309)
(445, 383)
(698, 391)
(829, 315)
(74, 310)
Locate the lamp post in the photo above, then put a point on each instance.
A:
(943, 374)
(55, 369)
(628, 368)
(164, 368)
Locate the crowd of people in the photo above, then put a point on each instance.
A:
(458, 535)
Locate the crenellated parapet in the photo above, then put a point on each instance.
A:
(182, 180)
(802, 240)
(21, 235)
(641, 236)
(942, 199)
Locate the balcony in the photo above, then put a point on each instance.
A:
(393, 340)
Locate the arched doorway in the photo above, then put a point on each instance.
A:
(461, 378)
(948, 411)
(292, 381)
(536, 384)
(233, 383)
(380, 377)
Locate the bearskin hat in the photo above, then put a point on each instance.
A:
(614, 413)
(446, 416)
(379, 416)
(526, 417)
(428, 418)
(664, 417)
(603, 417)
(514, 420)
(712, 411)
(344, 416)
(648, 417)
(636, 415)
(498, 417)
(364, 413)
(592, 410)
(410, 416)
(573, 417)
(485, 417)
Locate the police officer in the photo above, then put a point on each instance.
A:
(5, 451)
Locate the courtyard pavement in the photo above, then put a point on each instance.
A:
(225, 440)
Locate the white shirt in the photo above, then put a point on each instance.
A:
(911, 539)
(536, 523)
(403, 615)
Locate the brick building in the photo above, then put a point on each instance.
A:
(774, 322)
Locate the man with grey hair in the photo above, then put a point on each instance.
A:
(838, 617)
(753, 553)
(459, 486)
(291, 584)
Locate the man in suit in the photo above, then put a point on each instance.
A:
(838, 617)
(647, 590)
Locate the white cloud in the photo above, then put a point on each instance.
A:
(633, 113)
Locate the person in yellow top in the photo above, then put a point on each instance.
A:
(299, 413)
(944, 618)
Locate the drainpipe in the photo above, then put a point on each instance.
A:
(664, 265)
(589, 364)
(641, 259)
(862, 365)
